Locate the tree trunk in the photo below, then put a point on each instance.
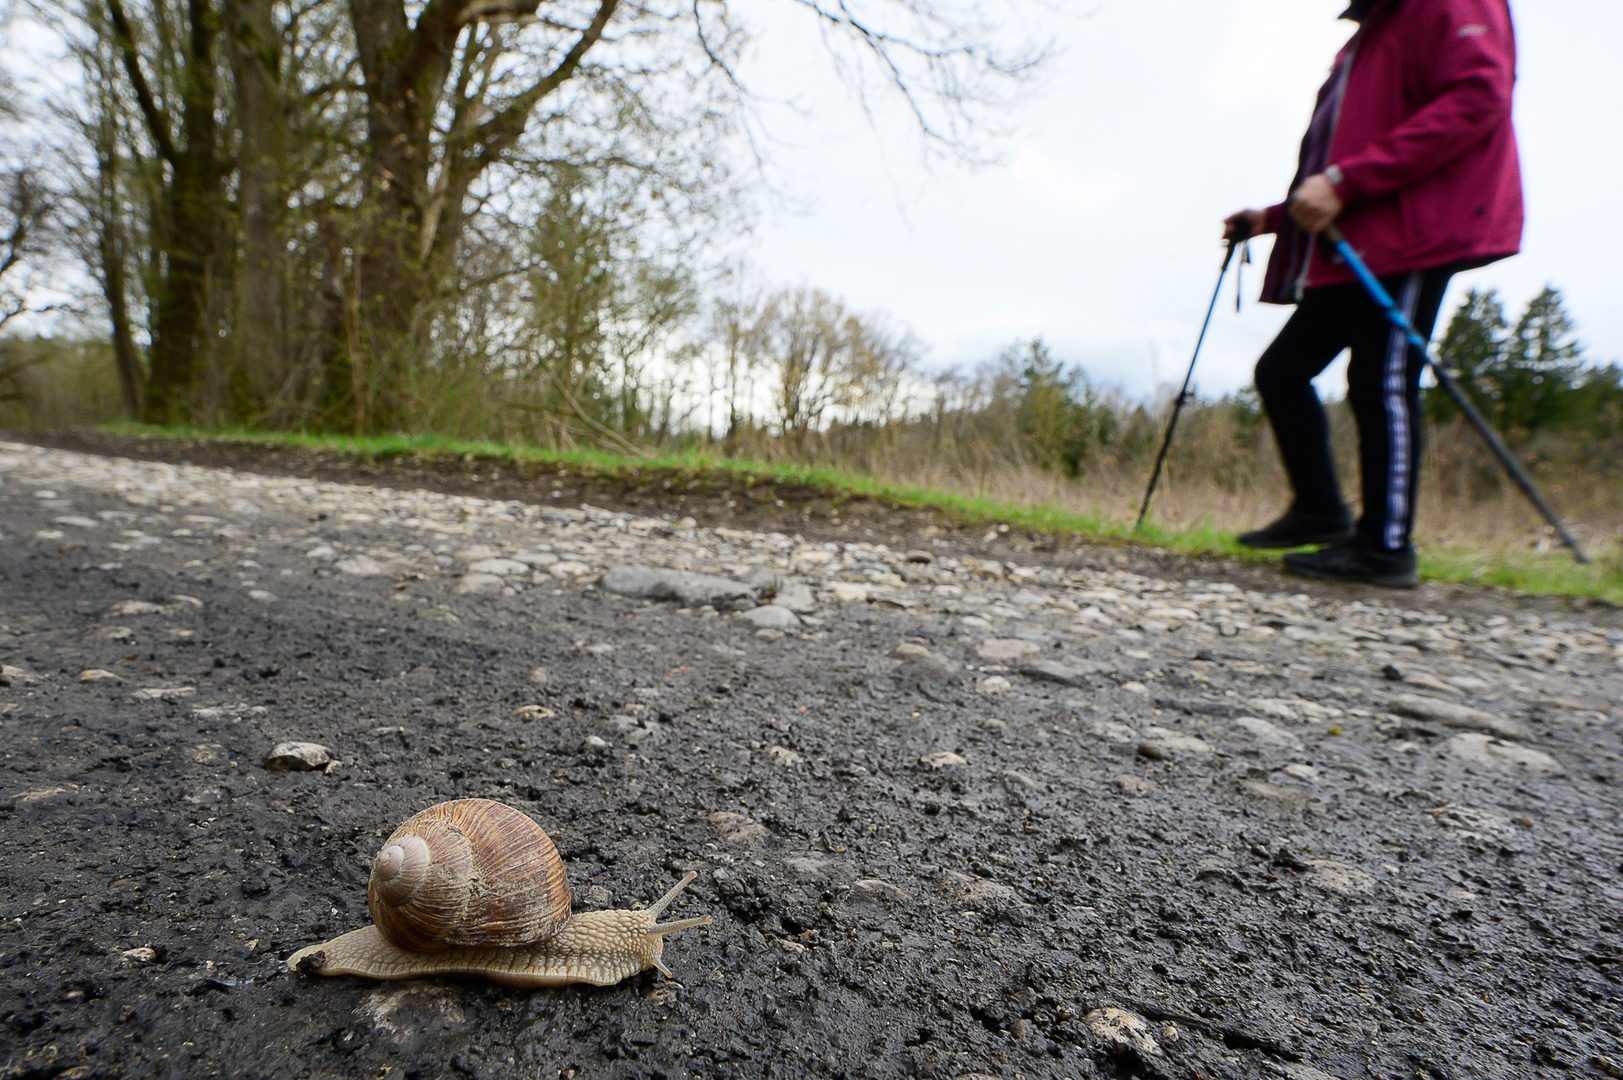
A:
(261, 353)
(192, 216)
(410, 228)
(126, 355)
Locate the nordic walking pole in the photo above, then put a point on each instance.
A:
(1183, 395)
(1397, 318)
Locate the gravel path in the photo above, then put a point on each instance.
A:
(952, 817)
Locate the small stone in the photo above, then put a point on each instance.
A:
(682, 586)
(782, 755)
(1474, 748)
(1123, 1032)
(1430, 682)
(1295, 1070)
(797, 597)
(359, 566)
(1339, 877)
(1453, 714)
(1284, 797)
(142, 955)
(1066, 673)
(537, 676)
(849, 592)
(534, 712)
(919, 555)
(137, 607)
(96, 675)
(40, 795)
(1267, 734)
(811, 866)
(259, 596)
(1305, 773)
(164, 693)
(499, 567)
(920, 660)
(1392, 673)
(321, 551)
(12, 676)
(1018, 781)
(761, 578)
(569, 569)
(1111, 731)
(479, 585)
(942, 759)
(738, 830)
(771, 617)
(1163, 745)
(1135, 688)
(995, 684)
(978, 892)
(1000, 650)
(595, 744)
(1132, 785)
(876, 889)
(299, 757)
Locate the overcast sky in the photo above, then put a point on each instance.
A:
(1099, 229)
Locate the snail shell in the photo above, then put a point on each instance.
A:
(470, 872)
(473, 887)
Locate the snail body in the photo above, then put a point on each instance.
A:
(473, 887)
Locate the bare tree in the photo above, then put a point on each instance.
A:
(305, 209)
(25, 209)
(826, 362)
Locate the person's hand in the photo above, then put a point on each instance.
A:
(1315, 204)
(1244, 225)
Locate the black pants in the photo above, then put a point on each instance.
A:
(1383, 388)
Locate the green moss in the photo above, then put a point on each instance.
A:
(1552, 574)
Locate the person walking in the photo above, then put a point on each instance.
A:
(1412, 154)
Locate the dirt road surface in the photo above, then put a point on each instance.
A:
(958, 807)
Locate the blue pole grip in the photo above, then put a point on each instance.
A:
(1373, 286)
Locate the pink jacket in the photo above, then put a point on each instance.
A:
(1422, 150)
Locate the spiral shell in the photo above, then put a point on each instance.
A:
(468, 873)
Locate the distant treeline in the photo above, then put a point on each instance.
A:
(795, 375)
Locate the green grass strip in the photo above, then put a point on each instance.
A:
(1552, 574)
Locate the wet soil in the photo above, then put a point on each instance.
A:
(897, 919)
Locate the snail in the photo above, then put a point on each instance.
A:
(473, 887)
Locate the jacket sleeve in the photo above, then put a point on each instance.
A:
(1473, 52)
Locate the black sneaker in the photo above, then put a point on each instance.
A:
(1298, 528)
(1348, 562)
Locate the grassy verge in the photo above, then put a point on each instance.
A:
(1552, 574)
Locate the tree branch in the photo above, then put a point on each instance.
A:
(156, 121)
(503, 129)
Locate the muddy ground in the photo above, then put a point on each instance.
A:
(1409, 915)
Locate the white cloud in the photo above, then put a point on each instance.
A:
(1273, 53)
(1067, 189)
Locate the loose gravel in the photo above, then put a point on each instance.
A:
(953, 815)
